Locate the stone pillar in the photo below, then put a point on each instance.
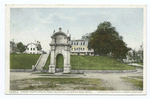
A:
(67, 67)
(52, 65)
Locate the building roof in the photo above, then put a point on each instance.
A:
(60, 32)
(31, 43)
(80, 40)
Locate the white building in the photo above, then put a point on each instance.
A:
(31, 48)
(80, 47)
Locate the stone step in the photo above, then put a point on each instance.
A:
(41, 62)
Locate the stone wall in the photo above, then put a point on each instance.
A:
(21, 70)
(102, 71)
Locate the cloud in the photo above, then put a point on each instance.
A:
(28, 24)
(51, 18)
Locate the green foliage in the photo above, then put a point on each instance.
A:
(39, 47)
(106, 39)
(86, 36)
(95, 63)
(23, 61)
(21, 47)
(140, 63)
(59, 61)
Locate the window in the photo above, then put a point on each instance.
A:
(77, 48)
(31, 49)
(30, 52)
(27, 48)
(81, 43)
(74, 43)
(33, 52)
(83, 48)
(84, 43)
(77, 43)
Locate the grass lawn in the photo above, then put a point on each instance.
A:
(94, 63)
(140, 63)
(136, 82)
(136, 66)
(58, 84)
(138, 77)
(47, 63)
(23, 61)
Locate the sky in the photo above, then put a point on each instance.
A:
(30, 24)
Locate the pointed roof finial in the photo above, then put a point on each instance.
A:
(35, 40)
(60, 29)
(54, 31)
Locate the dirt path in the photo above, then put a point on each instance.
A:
(114, 80)
(111, 80)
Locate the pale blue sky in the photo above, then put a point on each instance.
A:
(26, 24)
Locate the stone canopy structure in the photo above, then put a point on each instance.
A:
(60, 44)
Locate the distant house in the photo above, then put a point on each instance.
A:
(32, 48)
(13, 47)
(140, 54)
(80, 47)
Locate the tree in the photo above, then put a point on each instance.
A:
(86, 36)
(130, 54)
(21, 47)
(105, 39)
(39, 46)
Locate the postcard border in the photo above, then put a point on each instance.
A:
(7, 48)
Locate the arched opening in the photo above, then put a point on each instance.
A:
(59, 63)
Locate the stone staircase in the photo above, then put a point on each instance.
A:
(41, 62)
